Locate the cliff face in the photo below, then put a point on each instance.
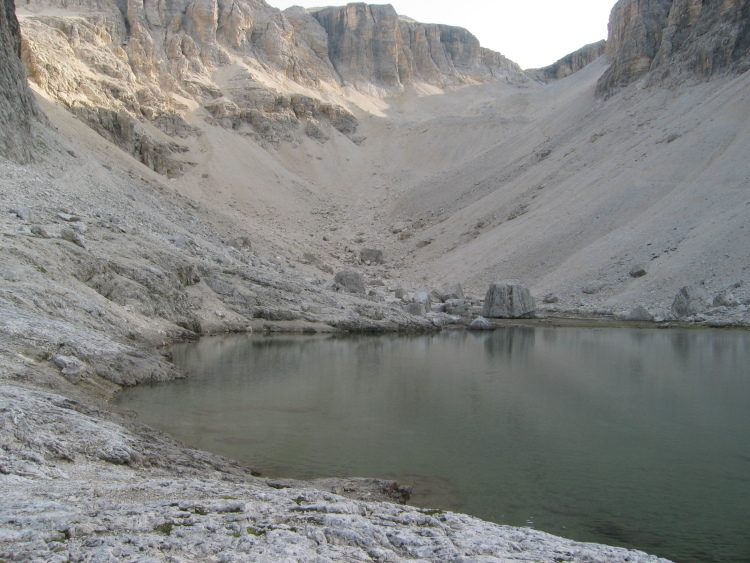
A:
(17, 107)
(373, 49)
(122, 64)
(675, 40)
(569, 64)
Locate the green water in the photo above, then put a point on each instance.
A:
(638, 438)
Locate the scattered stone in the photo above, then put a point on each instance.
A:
(640, 314)
(508, 299)
(726, 299)
(593, 287)
(405, 235)
(688, 302)
(72, 236)
(399, 227)
(240, 243)
(372, 255)
(551, 298)
(79, 226)
(480, 323)
(400, 293)
(350, 281)
(40, 232)
(71, 367)
(67, 217)
(22, 212)
(638, 272)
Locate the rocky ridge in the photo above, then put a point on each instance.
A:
(673, 41)
(140, 75)
(569, 64)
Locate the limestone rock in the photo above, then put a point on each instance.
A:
(593, 287)
(424, 299)
(71, 367)
(641, 314)
(417, 309)
(569, 64)
(689, 301)
(455, 291)
(351, 281)
(508, 299)
(480, 323)
(638, 272)
(669, 41)
(372, 255)
(551, 298)
(726, 299)
(73, 236)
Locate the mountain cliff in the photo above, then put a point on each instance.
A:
(138, 72)
(372, 48)
(570, 64)
(17, 108)
(671, 41)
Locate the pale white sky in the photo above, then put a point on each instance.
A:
(533, 33)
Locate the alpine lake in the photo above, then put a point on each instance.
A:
(632, 437)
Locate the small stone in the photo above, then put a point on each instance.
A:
(70, 367)
(67, 217)
(725, 299)
(551, 298)
(593, 287)
(351, 281)
(372, 256)
(22, 212)
(11, 276)
(638, 272)
(400, 293)
(72, 236)
(480, 323)
(40, 232)
(423, 298)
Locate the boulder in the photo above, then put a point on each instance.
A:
(72, 236)
(423, 298)
(689, 301)
(726, 299)
(22, 212)
(480, 323)
(372, 256)
(415, 309)
(509, 299)
(350, 281)
(641, 314)
(593, 287)
(454, 292)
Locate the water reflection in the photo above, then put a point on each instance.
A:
(632, 437)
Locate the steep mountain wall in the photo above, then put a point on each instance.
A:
(372, 48)
(570, 64)
(17, 107)
(675, 40)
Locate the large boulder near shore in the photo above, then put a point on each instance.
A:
(509, 299)
(689, 301)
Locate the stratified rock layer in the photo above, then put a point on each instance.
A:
(571, 63)
(17, 107)
(675, 40)
(508, 299)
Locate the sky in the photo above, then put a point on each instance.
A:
(533, 33)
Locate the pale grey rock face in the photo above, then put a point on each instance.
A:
(675, 40)
(570, 64)
(508, 299)
(17, 107)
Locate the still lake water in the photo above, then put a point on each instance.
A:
(638, 438)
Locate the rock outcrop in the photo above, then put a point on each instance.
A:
(675, 40)
(376, 51)
(120, 67)
(17, 107)
(569, 64)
